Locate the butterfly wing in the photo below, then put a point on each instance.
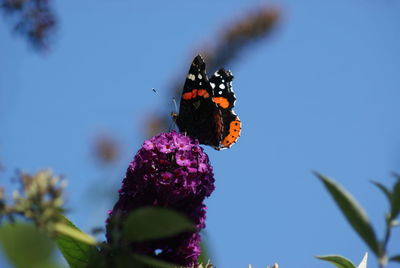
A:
(199, 116)
(224, 97)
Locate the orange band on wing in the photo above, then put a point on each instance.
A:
(234, 133)
(203, 92)
(190, 95)
(221, 101)
(187, 95)
(194, 93)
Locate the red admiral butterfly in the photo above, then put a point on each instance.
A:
(205, 110)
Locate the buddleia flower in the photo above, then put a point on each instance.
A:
(172, 171)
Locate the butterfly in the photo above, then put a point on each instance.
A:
(206, 107)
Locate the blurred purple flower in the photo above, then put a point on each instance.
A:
(172, 171)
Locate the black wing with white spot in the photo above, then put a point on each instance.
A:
(197, 77)
(199, 116)
(223, 96)
(221, 84)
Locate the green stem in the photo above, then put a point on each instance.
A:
(383, 254)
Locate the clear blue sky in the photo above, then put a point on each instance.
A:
(321, 94)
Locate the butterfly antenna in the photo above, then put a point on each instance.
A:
(155, 91)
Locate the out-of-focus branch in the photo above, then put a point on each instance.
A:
(106, 149)
(33, 19)
(253, 27)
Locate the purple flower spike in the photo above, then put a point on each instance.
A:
(170, 170)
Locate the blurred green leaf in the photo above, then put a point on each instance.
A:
(396, 200)
(384, 190)
(73, 232)
(77, 253)
(393, 197)
(395, 258)
(123, 258)
(353, 212)
(152, 262)
(154, 223)
(338, 261)
(203, 258)
(26, 247)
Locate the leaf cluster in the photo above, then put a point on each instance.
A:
(359, 221)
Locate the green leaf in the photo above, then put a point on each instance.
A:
(338, 261)
(396, 200)
(77, 253)
(393, 197)
(25, 246)
(203, 258)
(395, 258)
(353, 213)
(152, 262)
(153, 223)
(384, 190)
(75, 233)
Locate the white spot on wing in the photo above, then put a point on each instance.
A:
(199, 76)
(222, 86)
(191, 77)
(220, 92)
(212, 85)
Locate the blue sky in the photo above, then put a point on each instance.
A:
(321, 94)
